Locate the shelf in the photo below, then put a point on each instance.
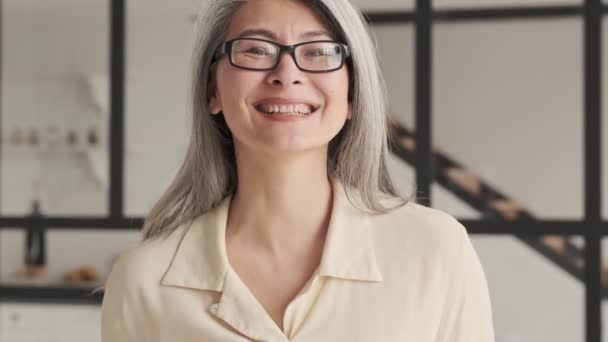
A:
(27, 150)
(49, 294)
(106, 223)
(42, 282)
(40, 290)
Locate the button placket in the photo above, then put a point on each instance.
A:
(300, 306)
(240, 309)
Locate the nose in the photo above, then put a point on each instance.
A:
(286, 71)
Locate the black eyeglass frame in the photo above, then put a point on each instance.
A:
(226, 48)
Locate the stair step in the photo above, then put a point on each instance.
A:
(508, 208)
(408, 143)
(465, 179)
(557, 243)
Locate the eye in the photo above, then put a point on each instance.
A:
(319, 52)
(258, 51)
(322, 51)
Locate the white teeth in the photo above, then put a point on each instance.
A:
(292, 109)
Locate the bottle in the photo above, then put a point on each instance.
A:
(35, 249)
(92, 137)
(33, 137)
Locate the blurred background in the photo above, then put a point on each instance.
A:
(499, 111)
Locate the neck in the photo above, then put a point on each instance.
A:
(281, 206)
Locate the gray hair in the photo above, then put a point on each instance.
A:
(357, 155)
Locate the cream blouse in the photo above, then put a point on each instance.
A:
(409, 275)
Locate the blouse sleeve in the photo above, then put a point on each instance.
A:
(467, 315)
(117, 309)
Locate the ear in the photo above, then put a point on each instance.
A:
(215, 104)
(349, 112)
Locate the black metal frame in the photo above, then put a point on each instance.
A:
(593, 179)
(592, 226)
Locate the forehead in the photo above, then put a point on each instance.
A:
(278, 20)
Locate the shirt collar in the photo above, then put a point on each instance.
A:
(201, 261)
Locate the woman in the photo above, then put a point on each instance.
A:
(283, 224)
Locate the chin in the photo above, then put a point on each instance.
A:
(295, 146)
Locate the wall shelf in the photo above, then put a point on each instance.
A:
(49, 293)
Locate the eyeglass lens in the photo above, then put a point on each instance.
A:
(314, 56)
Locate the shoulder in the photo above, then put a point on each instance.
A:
(146, 262)
(130, 294)
(414, 230)
(417, 221)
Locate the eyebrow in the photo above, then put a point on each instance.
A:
(269, 34)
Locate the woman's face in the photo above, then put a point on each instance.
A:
(237, 91)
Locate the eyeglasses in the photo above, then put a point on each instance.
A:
(260, 54)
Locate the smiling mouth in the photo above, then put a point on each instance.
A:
(260, 109)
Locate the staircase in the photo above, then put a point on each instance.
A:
(491, 203)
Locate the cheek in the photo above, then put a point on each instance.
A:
(337, 90)
(235, 87)
(341, 84)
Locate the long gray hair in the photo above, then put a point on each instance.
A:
(357, 155)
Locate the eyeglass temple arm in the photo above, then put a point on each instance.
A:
(220, 51)
(346, 50)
